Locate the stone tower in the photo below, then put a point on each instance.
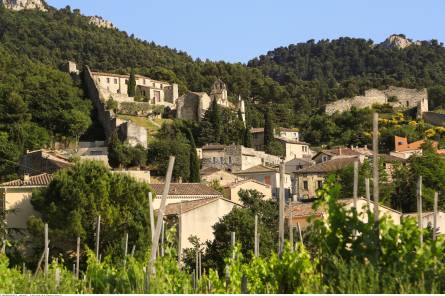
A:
(219, 93)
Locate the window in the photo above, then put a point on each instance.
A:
(230, 159)
(319, 184)
(144, 81)
(221, 159)
(126, 81)
(98, 79)
(267, 180)
(214, 160)
(305, 185)
(108, 80)
(324, 158)
(115, 80)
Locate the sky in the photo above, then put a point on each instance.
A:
(239, 30)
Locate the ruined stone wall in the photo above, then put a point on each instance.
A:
(187, 107)
(398, 97)
(133, 134)
(106, 117)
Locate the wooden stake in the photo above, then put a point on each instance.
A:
(419, 208)
(180, 232)
(233, 242)
(57, 277)
(97, 237)
(436, 202)
(39, 264)
(299, 233)
(375, 167)
(256, 237)
(291, 228)
(77, 257)
(161, 210)
(162, 238)
(355, 187)
(281, 211)
(132, 250)
(197, 264)
(152, 219)
(200, 263)
(368, 193)
(126, 248)
(46, 249)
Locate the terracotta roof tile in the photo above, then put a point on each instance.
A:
(302, 209)
(329, 166)
(186, 206)
(38, 180)
(241, 182)
(255, 130)
(257, 169)
(187, 189)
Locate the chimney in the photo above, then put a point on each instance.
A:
(26, 178)
(180, 180)
(339, 151)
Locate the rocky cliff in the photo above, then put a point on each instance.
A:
(100, 22)
(24, 4)
(397, 41)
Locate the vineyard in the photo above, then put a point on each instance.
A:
(339, 254)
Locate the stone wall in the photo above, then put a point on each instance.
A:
(398, 97)
(129, 131)
(24, 4)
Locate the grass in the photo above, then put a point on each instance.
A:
(151, 125)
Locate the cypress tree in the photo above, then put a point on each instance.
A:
(247, 138)
(215, 120)
(194, 161)
(132, 84)
(268, 131)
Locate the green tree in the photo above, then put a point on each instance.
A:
(268, 130)
(132, 84)
(195, 176)
(242, 221)
(77, 196)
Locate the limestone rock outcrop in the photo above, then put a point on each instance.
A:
(397, 41)
(101, 22)
(17, 5)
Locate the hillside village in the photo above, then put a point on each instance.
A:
(236, 162)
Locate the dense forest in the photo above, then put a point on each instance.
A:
(289, 84)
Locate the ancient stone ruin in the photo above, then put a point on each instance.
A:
(398, 97)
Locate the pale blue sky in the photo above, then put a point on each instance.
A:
(239, 30)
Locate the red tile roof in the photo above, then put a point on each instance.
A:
(187, 189)
(190, 205)
(329, 166)
(38, 180)
(302, 209)
(241, 182)
(257, 169)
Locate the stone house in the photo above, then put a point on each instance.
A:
(341, 152)
(288, 138)
(213, 174)
(231, 190)
(15, 196)
(403, 149)
(154, 91)
(308, 180)
(183, 192)
(43, 161)
(235, 158)
(299, 213)
(197, 217)
(269, 176)
(294, 149)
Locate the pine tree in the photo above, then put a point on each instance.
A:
(132, 84)
(268, 131)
